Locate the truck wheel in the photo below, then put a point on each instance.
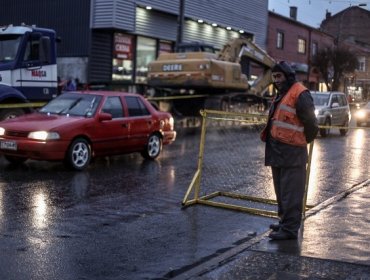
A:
(10, 113)
(153, 148)
(325, 131)
(344, 131)
(15, 159)
(78, 155)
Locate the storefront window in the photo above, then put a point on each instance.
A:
(122, 57)
(165, 47)
(146, 51)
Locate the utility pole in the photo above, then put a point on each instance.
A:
(180, 22)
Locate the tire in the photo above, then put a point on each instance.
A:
(78, 156)
(153, 148)
(344, 131)
(325, 131)
(10, 113)
(15, 159)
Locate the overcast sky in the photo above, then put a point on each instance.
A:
(312, 12)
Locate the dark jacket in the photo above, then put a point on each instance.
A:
(278, 154)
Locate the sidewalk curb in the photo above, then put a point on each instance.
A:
(232, 253)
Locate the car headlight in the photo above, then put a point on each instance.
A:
(360, 114)
(2, 131)
(43, 135)
(318, 112)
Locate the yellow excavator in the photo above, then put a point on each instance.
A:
(195, 77)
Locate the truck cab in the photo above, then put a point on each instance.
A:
(28, 69)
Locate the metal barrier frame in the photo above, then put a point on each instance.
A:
(206, 199)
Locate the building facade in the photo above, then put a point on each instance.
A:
(350, 28)
(297, 43)
(112, 41)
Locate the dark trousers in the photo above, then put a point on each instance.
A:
(289, 184)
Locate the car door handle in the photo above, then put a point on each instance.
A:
(125, 125)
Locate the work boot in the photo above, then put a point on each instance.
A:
(282, 235)
(275, 227)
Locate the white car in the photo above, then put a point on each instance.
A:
(331, 109)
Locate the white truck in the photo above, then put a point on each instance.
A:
(28, 68)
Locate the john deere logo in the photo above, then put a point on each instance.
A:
(172, 67)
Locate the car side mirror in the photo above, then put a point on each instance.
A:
(105, 117)
(335, 105)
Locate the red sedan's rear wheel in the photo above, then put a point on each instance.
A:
(79, 154)
(153, 148)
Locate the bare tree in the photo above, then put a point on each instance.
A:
(334, 64)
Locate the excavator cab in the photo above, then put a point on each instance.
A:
(195, 47)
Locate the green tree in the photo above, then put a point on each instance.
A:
(334, 64)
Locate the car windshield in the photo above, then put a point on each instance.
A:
(320, 99)
(75, 104)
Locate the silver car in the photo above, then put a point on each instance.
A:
(332, 109)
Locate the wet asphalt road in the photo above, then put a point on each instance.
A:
(122, 218)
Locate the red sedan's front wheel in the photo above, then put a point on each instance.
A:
(79, 154)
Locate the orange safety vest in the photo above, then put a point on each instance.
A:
(285, 125)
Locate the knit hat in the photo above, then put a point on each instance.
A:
(285, 68)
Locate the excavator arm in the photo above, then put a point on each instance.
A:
(237, 48)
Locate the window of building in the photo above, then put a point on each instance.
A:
(315, 48)
(165, 47)
(301, 45)
(145, 53)
(361, 64)
(122, 57)
(280, 40)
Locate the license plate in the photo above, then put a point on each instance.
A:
(8, 145)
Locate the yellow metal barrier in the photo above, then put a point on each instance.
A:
(22, 105)
(159, 98)
(206, 199)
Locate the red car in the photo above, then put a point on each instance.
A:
(77, 126)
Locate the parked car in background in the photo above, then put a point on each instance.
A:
(332, 109)
(77, 126)
(362, 115)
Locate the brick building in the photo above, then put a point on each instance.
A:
(297, 43)
(350, 28)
